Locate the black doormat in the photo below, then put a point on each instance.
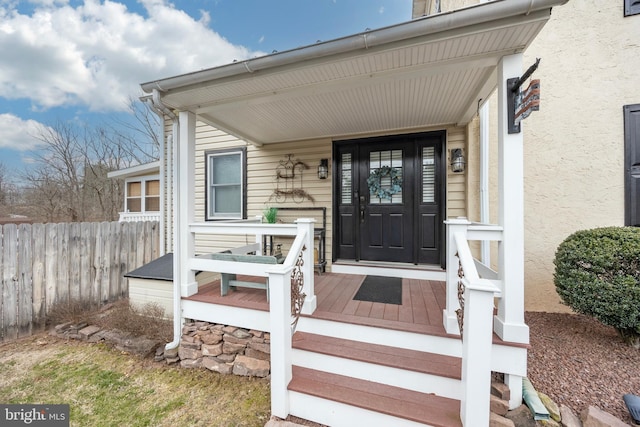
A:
(387, 290)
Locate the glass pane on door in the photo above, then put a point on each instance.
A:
(385, 177)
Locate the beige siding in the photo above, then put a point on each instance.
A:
(146, 291)
(261, 181)
(456, 182)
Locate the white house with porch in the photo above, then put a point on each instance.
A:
(384, 117)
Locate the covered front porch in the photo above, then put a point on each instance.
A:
(428, 75)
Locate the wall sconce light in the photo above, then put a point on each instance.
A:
(457, 160)
(323, 169)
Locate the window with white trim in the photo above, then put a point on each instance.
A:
(226, 184)
(142, 194)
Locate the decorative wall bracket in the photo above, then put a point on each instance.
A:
(289, 181)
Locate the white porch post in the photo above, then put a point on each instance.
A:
(476, 353)
(280, 330)
(509, 323)
(449, 316)
(185, 196)
(310, 301)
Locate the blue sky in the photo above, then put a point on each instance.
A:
(80, 61)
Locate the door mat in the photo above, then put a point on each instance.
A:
(387, 290)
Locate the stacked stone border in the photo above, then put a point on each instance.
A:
(221, 348)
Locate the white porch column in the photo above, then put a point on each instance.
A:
(449, 316)
(310, 301)
(509, 323)
(185, 197)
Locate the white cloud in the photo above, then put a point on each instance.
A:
(96, 54)
(261, 39)
(18, 134)
(381, 10)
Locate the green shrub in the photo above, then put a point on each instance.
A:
(598, 274)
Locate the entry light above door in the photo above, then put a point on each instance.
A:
(457, 160)
(323, 169)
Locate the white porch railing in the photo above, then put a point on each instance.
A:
(302, 230)
(471, 292)
(294, 276)
(139, 216)
(475, 320)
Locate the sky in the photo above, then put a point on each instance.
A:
(82, 61)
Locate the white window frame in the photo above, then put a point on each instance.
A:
(242, 152)
(143, 191)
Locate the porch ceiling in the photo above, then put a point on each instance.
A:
(431, 71)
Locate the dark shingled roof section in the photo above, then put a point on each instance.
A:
(158, 269)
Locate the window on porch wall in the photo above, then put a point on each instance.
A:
(226, 181)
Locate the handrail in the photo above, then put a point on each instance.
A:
(243, 228)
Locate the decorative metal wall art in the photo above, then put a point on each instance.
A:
(289, 181)
(297, 296)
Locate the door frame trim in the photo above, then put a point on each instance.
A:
(336, 144)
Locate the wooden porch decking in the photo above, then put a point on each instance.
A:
(421, 311)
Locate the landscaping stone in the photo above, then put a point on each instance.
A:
(256, 354)
(500, 390)
(191, 363)
(551, 406)
(227, 358)
(250, 367)
(261, 347)
(189, 353)
(88, 331)
(241, 334)
(235, 340)
(170, 353)
(595, 417)
(496, 420)
(549, 423)
(498, 406)
(521, 416)
(569, 419)
(210, 338)
(230, 348)
(217, 366)
(137, 345)
(211, 350)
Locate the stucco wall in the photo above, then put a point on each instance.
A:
(573, 146)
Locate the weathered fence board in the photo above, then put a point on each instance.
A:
(9, 279)
(25, 281)
(45, 264)
(38, 275)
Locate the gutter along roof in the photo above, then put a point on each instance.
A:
(431, 71)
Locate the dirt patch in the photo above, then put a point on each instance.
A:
(579, 362)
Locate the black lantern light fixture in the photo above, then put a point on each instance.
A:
(457, 160)
(323, 169)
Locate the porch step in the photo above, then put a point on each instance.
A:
(339, 400)
(411, 369)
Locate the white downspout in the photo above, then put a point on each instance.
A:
(174, 140)
(485, 245)
(485, 248)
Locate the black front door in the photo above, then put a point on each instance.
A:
(388, 200)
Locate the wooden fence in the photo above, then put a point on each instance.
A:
(43, 264)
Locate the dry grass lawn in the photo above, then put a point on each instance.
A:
(105, 387)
